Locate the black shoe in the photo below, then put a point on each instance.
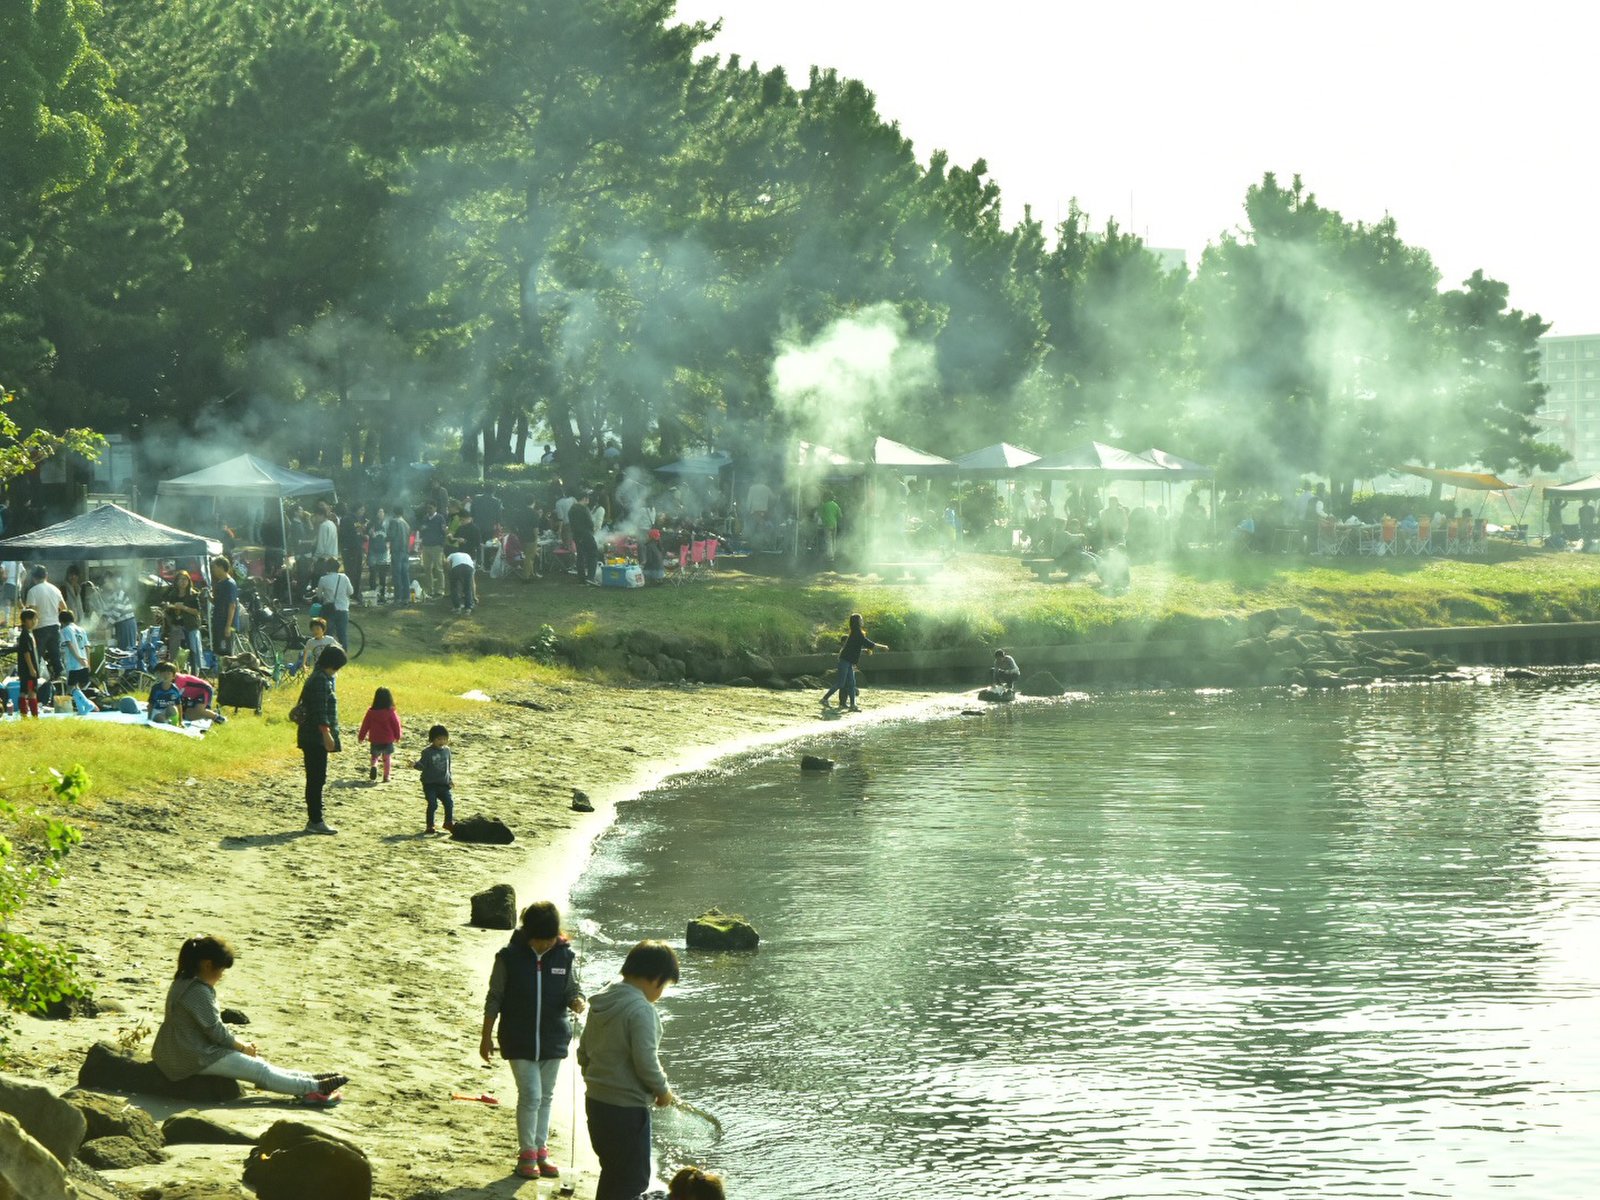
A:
(372, 771)
(328, 1084)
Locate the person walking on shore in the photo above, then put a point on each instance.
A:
(318, 734)
(533, 986)
(437, 782)
(849, 659)
(381, 728)
(619, 1054)
(192, 1039)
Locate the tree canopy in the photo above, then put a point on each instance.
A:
(337, 229)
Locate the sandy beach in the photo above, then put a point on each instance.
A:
(355, 953)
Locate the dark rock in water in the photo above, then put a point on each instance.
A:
(997, 695)
(810, 762)
(483, 831)
(235, 1016)
(191, 1129)
(495, 908)
(972, 712)
(295, 1161)
(108, 1068)
(717, 930)
(117, 1154)
(1521, 673)
(45, 1117)
(580, 801)
(1042, 684)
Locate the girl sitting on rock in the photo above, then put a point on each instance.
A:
(193, 1040)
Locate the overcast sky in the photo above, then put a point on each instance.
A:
(1474, 124)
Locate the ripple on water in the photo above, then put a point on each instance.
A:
(1163, 945)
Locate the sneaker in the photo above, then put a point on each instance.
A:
(372, 772)
(320, 827)
(547, 1169)
(321, 1099)
(219, 719)
(330, 1084)
(527, 1165)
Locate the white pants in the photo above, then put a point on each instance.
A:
(235, 1065)
(536, 1089)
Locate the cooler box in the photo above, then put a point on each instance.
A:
(626, 575)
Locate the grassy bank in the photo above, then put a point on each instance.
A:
(980, 599)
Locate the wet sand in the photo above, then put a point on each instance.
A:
(354, 951)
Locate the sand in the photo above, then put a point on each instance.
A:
(354, 950)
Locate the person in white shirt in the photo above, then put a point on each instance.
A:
(327, 533)
(462, 569)
(10, 589)
(335, 591)
(45, 598)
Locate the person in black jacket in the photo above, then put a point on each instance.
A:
(318, 734)
(580, 520)
(532, 988)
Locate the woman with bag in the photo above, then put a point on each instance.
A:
(317, 716)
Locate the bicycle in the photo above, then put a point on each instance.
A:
(275, 634)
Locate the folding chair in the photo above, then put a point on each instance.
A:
(1367, 540)
(697, 556)
(711, 554)
(1452, 536)
(1424, 537)
(680, 568)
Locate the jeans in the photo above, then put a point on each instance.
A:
(316, 779)
(402, 577)
(437, 794)
(236, 1065)
(339, 625)
(536, 1089)
(847, 683)
(588, 555)
(126, 633)
(461, 586)
(48, 639)
(621, 1141)
(380, 578)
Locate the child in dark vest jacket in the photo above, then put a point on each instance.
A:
(532, 988)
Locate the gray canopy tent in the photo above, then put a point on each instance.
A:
(107, 534)
(999, 461)
(248, 477)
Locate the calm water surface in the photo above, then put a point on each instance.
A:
(1162, 945)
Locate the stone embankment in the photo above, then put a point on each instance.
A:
(1284, 646)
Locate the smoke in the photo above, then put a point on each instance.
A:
(853, 380)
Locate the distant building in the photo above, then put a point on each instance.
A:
(1570, 370)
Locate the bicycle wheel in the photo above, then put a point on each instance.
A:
(261, 642)
(358, 641)
(289, 640)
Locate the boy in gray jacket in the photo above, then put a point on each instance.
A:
(619, 1055)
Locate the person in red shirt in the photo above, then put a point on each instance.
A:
(381, 728)
(197, 699)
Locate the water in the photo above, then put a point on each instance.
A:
(1166, 945)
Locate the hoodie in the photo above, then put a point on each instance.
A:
(619, 1052)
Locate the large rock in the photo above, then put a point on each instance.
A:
(27, 1170)
(717, 930)
(109, 1068)
(811, 762)
(116, 1154)
(110, 1117)
(295, 1161)
(191, 1129)
(195, 1191)
(484, 831)
(44, 1116)
(642, 668)
(495, 908)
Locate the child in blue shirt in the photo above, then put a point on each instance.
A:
(165, 698)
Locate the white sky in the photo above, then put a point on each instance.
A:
(1474, 124)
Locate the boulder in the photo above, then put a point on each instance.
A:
(642, 668)
(44, 1116)
(109, 1117)
(810, 762)
(485, 831)
(757, 666)
(117, 1154)
(581, 801)
(295, 1161)
(668, 668)
(234, 1016)
(191, 1129)
(109, 1068)
(642, 643)
(717, 930)
(195, 1191)
(741, 681)
(495, 908)
(1042, 683)
(27, 1170)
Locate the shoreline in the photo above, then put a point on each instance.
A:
(346, 958)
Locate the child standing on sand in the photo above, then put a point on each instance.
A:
(436, 780)
(27, 666)
(380, 727)
(619, 1054)
(531, 990)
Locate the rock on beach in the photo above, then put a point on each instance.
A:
(49, 1120)
(108, 1068)
(717, 930)
(495, 907)
(27, 1169)
(295, 1161)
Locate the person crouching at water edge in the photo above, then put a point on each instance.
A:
(691, 1183)
(533, 986)
(193, 1040)
(619, 1054)
(1005, 672)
